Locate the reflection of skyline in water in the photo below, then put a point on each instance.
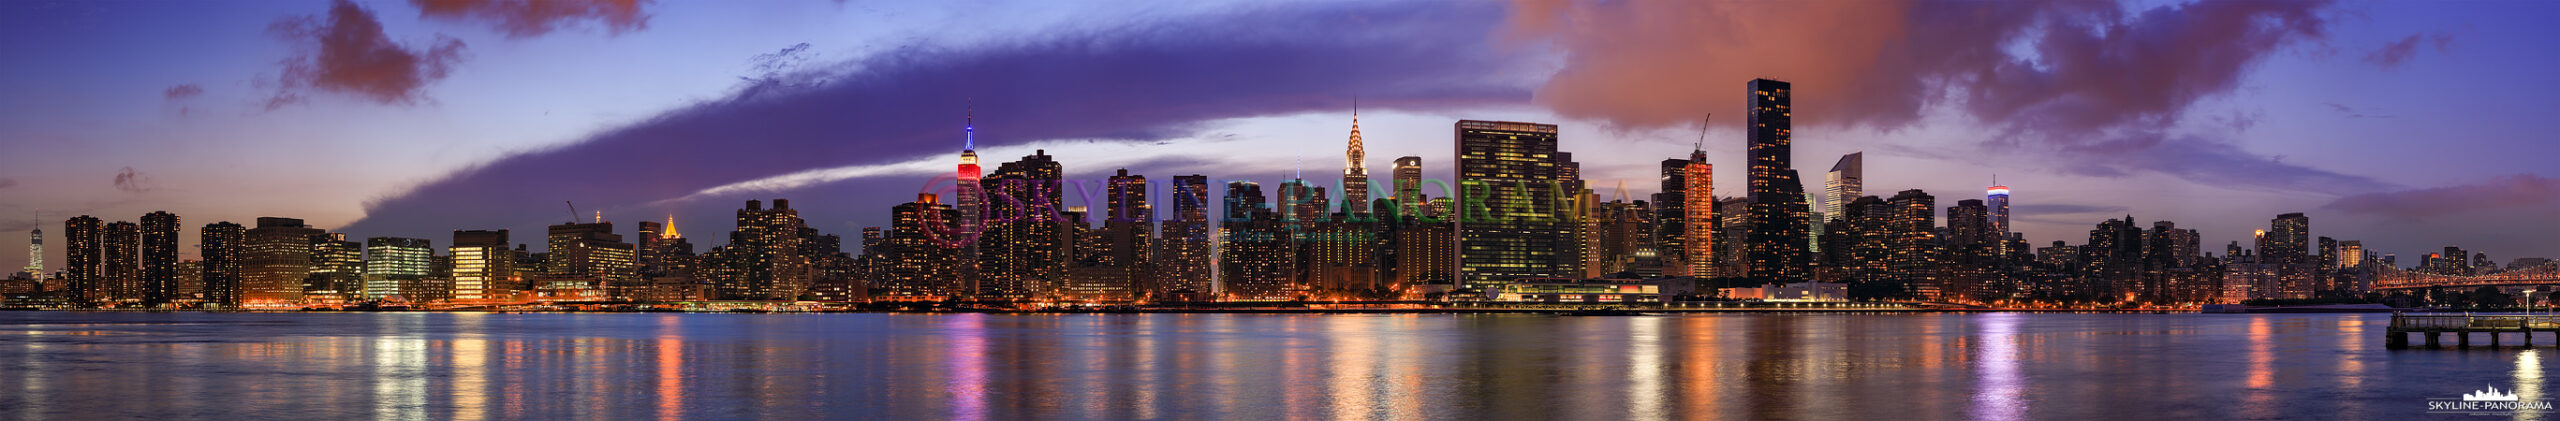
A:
(1194, 366)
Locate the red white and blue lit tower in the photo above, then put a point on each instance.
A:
(971, 198)
(1999, 210)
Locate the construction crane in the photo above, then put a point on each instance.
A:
(573, 211)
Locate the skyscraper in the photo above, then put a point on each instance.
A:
(483, 265)
(590, 254)
(337, 268)
(1182, 262)
(1698, 214)
(1777, 240)
(969, 199)
(220, 248)
(1128, 232)
(1257, 259)
(1355, 172)
(1844, 183)
(1671, 220)
(1999, 208)
(160, 259)
(2288, 245)
(1409, 185)
(916, 266)
(274, 261)
(123, 271)
(83, 268)
(391, 262)
(1912, 262)
(1024, 253)
(35, 251)
(1515, 218)
(764, 257)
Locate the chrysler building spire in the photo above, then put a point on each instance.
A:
(1355, 169)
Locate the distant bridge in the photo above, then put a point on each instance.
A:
(2396, 279)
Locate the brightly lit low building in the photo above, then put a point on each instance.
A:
(1563, 290)
(1794, 292)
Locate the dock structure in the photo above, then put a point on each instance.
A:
(2434, 326)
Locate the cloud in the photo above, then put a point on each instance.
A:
(8, 182)
(131, 181)
(2394, 53)
(182, 92)
(2504, 192)
(530, 18)
(2055, 76)
(347, 52)
(1141, 81)
(2206, 161)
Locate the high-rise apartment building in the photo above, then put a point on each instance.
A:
(1023, 255)
(220, 248)
(123, 268)
(160, 259)
(81, 261)
(918, 264)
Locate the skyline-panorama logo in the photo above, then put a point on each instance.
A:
(2487, 401)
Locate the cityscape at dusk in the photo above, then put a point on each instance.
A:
(1916, 194)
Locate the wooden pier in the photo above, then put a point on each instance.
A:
(2434, 326)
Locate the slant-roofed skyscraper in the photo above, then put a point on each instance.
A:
(1843, 184)
(1777, 241)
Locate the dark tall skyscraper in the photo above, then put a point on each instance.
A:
(1671, 221)
(1515, 204)
(1024, 253)
(220, 248)
(1777, 240)
(1182, 258)
(123, 272)
(160, 258)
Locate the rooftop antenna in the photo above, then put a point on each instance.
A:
(573, 211)
(969, 139)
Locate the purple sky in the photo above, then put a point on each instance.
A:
(2409, 125)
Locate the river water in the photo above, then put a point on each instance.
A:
(96, 365)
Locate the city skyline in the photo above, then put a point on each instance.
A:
(196, 143)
